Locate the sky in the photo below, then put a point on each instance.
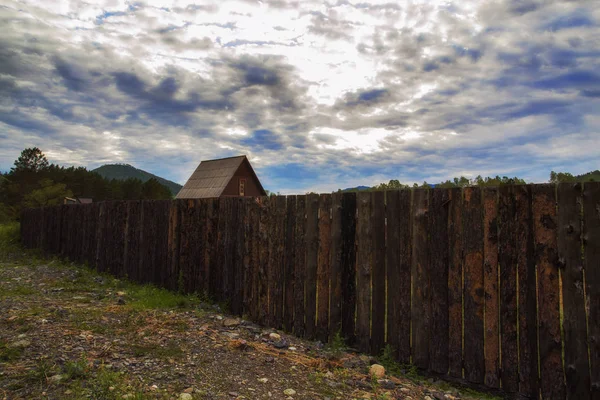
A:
(318, 95)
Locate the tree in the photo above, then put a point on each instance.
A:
(49, 194)
(31, 160)
(152, 189)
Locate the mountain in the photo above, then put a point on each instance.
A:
(356, 189)
(126, 171)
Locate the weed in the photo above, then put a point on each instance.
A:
(337, 346)
(9, 353)
(76, 369)
(41, 372)
(150, 297)
(19, 290)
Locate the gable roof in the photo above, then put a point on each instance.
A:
(211, 178)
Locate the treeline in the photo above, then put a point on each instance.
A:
(555, 177)
(34, 182)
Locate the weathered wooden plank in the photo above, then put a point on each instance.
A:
(508, 289)
(300, 266)
(254, 237)
(173, 244)
(378, 271)
(591, 237)
(335, 306)
(546, 257)
(100, 234)
(490, 283)
(198, 244)
(312, 257)
(421, 306)
(323, 268)
(132, 235)
(348, 266)
(398, 266)
(438, 250)
(263, 277)
(528, 350)
(238, 257)
(574, 323)
(222, 260)
(290, 263)
(248, 282)
(278, 263)
(474, 363)
(211, 251)
(363, 272)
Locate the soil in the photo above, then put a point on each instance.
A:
(69, 333)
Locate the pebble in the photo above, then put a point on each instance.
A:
(234, 394)
(376, 370)
(263, 380)
(185, 396)
(21, 343)
(289, 392)
(292, 348)
(427, 398)
(188, 390)
(275, 336)
(230, 322)
(56, 378)
(386, 384)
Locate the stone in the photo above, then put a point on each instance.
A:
(230, 322)
(289, 392)
(427, 398)
(386, 384)
(274, 336)
(234, 394)
(376, 370)
(185, 396)
(263, 380)
(121, 301)
(291, 348)
(281, 344)
(188, 390)
(55, 378)
(21, 343)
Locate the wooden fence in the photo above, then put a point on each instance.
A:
(496, 286)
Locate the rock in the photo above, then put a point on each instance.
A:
(386, 384)
(376, 370)
(427, 398)
(121, 301)
(21, 343)
(405, 390)
(188, 390)
(230, 322)
(274, 336)
(231, 335)
(292, 348)
(55, 378)
(234, 394)
(289, 392)
(263, 380)
(185, 396)
(319, 345)
(281, 344)
(269, 360)
(439, 396)
(219, 318)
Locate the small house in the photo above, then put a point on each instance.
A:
(225, 177)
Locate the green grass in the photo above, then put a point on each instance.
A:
(9, 241)
(8, 353)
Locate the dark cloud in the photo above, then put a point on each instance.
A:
(263, 139)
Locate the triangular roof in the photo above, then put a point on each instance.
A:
(211, 178)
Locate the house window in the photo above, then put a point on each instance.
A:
(242, 186)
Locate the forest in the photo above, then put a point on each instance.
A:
(34, 182)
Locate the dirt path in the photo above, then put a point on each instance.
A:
(68, 333)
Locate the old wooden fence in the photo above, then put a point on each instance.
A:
(497, 286)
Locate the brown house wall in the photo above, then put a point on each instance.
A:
(252, 187)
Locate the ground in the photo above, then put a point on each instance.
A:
(67, 332)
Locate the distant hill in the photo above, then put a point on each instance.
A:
(126, 171)
(356, 189)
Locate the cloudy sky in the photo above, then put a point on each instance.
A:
(319, 95)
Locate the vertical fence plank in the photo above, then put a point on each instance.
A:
(421, 306)
(323, 268)
(223, 268)
(348, 266)
(378, 271)
(591, 235)
(363, 270)
(100, 235)
(574, 323)
(300, 266)
(335, 309)
(490, 282)
(398, 266)
(278, 260)
(184, 276)
(238, 258)
(199, 245)
(132, 235)
(211, 254)
(438, 245)
(508, 289)
(455, 287)
(173, 243)
(528, 350)
(473, 280)
(263, 277)
(290, 260)
(312, 254)
(546, 256)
